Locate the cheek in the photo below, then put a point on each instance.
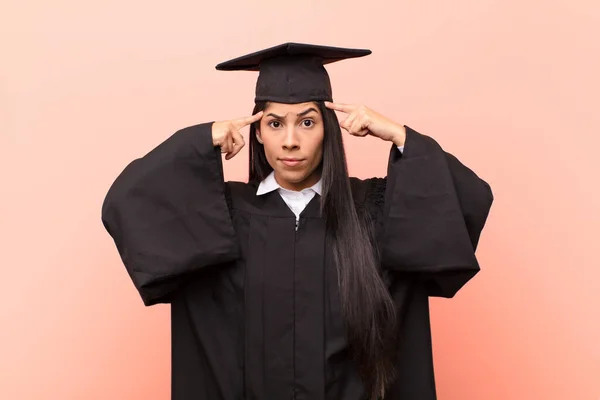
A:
(270, 152)
(318, 148)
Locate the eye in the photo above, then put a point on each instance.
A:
(307, 123)
(275, 124)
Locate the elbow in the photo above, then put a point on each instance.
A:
(487, 193)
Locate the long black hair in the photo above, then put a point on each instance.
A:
(367, 307)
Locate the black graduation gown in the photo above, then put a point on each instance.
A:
(254, 302)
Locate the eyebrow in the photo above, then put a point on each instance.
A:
(301, 114)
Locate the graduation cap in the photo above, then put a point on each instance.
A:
(292, 72)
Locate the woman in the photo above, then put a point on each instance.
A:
(302, 283)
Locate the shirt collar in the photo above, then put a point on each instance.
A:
(269, 184)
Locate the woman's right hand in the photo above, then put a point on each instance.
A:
(226, 134)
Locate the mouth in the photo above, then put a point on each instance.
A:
(291, 162)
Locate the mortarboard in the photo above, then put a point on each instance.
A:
(292, 72)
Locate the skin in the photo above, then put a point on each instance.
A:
(293, 137)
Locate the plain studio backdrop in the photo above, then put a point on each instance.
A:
(510, 87)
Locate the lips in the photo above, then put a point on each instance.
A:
(291, 162)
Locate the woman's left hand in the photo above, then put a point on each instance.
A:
(362, 121)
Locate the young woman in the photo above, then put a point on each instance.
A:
(302, 283)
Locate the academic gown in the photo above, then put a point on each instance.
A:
(255, 308)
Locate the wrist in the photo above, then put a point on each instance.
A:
(399, 137)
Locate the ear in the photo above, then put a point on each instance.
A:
(258, 136)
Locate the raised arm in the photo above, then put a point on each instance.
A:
(168, 214)
(430, 210)
(434, 211)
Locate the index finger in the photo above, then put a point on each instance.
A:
(241, 122)
(346, 108)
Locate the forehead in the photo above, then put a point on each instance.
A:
(293, 109)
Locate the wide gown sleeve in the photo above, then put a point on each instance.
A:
(168, 214)
(433, 213)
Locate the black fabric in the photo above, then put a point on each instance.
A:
(292, 72)
(254, 303)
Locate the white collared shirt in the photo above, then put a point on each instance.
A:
(296, 201)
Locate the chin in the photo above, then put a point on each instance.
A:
(293, 176)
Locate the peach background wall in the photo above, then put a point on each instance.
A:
(510, 87)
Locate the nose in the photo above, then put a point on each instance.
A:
(290, 141)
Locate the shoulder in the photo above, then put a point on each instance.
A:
(240, 193)
(368, 192)
(237, 189)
